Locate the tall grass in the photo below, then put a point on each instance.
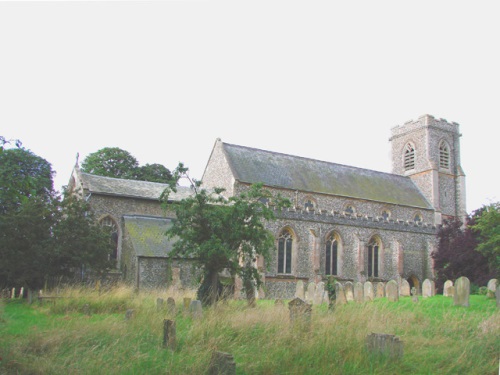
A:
(439, 338)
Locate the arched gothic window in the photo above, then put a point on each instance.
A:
(332, 254)
(409, 157)
(285, 242)
(111, 224)
(444, 155)
(373, 257)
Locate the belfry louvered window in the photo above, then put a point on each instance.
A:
(409, 157)
(444, 155)
(285, 242)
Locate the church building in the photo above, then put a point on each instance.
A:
(355, 224)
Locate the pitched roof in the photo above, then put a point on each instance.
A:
(147, 235)
(130, 188)
(250, 165)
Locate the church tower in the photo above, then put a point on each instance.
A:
(428, 151)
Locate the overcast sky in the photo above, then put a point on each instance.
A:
(320, 79)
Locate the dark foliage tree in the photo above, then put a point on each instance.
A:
(23, 175)
(487, 227)
(456, 255)
(111, 162)
(79, 242)
(223, 234)
(154, 173)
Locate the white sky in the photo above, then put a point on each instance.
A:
(320, 79)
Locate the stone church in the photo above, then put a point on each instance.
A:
(355, 224)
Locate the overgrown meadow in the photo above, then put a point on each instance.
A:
(439, 338)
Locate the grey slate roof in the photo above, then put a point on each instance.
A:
(130, 188)
(147, 235)
(250, 165)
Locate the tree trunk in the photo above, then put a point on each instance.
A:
(214, 288)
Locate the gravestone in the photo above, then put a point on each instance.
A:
(195, 309)
(169, 334)
(311, 291)
(129, 314)
(21, 292)
(446, 288)
(426, 288)
(391, 290)
(300, 313)
(414, 296)
(462, 292)
(359, 295)
(187, 302)
(171, 309)
(326, 298)
(340, 294)
(222, 364)
(349, 291)
(491, 288)
(380, 290)
(159, 304)
(405, 288)
(368, 291)
(451, 291)
(497, 294)
(299, 290)
(318, 294)
(384, 344)
(13, 295)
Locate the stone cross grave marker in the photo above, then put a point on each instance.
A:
(391, 290)
(462, 292)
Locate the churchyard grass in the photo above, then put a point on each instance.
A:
(439, 338)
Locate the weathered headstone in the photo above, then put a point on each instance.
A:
(299, 290)
(491, 288)
(391, 290)
(384, 344)
(451, 291)
(414, 295)
(405, 288)
(446, 288)
(129, 314)
(462, 292)
(359, 295)
(159, 304)
(311, 291)
(300, 313)
(368, 291)
(340, 294)
(169, 334)
(426, 288)
(222, 364)
(380, 290)
(171, 309)
(318, 294)
(195, 309)
(349, 291)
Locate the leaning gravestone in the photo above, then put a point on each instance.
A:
(380, 292)
(222, 364)
(384, 344)
(359, 295)
(405, 289)
(491, 288)
(368, 291)
(391, 290)
(446, 288)
(311, 291)
(195, 309)
(462, 292)
(299, 290)
(426, 288)
(339, 293)
(349, 291)
(318, 294)
(300, 313)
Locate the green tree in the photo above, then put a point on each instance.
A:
(111, 162)
(223, 234)
(79, 242)
(487, 225)
(154, 173)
